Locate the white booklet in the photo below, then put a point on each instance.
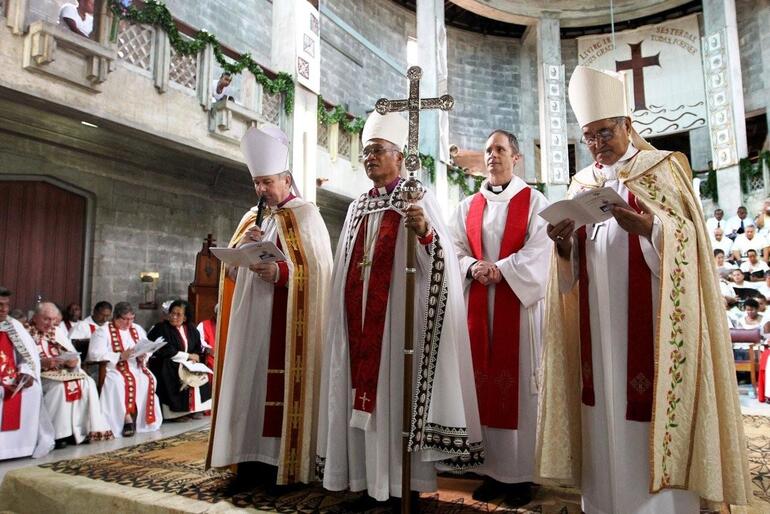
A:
(196, 367)
(593, 206)
(250, 253)
(147, 346)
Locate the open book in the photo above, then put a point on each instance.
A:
(196, 367)
(147, 346)
(592, 206)
(250, 253)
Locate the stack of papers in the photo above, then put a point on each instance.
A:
(592, 206)
(147, 346)
(196, 367)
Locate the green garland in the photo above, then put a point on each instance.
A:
(339, 115)
(155, 13)
(428, 163)
(459, 177)
(749, 170)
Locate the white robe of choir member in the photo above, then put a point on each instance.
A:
(83, 329)
(35, 436)
(83, 418)
(609, 484)
(510, 454)
(114, 388)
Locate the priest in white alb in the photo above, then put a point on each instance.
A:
(649, 421)
(504, 251)
(271, 319)
(128, 394)
(25, 428)
(359, 445)
(70, 395)
(85, 328)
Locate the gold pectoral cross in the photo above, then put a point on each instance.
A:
(365, 262)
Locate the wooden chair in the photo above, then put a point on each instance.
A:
(752, 337)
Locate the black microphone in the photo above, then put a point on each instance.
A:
(260, 211)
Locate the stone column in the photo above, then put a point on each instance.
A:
(724, 98)
(434, 125)
(554, 157)
(291, 22)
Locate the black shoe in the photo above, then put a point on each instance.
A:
(414, 501)
(364, 503)
(60, 443)
(129, 429)
(489, 490)
(518, 495)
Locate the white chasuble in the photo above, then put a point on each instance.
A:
(510, 454)
(637, 467)
(148, 416)
(360, 449)
(241, 401)
(35, 434)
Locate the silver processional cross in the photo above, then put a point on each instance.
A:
(413, 189)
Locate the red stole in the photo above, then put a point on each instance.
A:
(92, 327)
(365, 336)
(763, 363)
(496, 361)
(8, 377)
(276, 362)
(640, 363)
(72, 391)
(128, 377)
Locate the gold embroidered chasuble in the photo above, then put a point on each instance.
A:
(696, 434)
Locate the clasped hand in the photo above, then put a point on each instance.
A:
(486, 273)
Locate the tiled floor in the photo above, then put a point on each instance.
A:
(84, 450)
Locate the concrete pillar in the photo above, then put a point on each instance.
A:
(291, 22)
(434, 124)
(528, 110)
(724, 98)
(554, 158)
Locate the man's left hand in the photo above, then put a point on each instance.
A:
(71, 364)
(633, 222)
(267, 271)
(415, 220)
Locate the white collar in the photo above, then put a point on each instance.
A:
(513, 188)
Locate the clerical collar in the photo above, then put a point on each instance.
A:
(385, 190)
(287, 200)
(498, 189)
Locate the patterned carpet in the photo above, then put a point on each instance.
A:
(175, 466)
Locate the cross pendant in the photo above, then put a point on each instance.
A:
(365, 262)
(364, 399)
(595, 231)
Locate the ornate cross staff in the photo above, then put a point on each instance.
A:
(412, 191)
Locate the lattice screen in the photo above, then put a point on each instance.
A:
(343, 145)
(323, 136)
(271, 107)
(183, 69)
(756, 183)
(135, 45)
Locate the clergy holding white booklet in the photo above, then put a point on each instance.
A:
(638, 400)
(592, 206)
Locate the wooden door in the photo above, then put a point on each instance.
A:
(42, 242)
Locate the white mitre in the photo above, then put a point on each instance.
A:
(390, 127)
(266, 150)
(600, 94)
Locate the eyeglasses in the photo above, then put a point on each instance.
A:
(176, 314)
(376, 151)
(603, 136)
(127, 318)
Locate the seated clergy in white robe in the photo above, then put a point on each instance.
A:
(84, 329)
(70, 395)
(128, 394)
(25, 428)
(504, 251)
(360, 425)
(271, 330)
(635, 301)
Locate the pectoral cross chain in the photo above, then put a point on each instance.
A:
(595, 231)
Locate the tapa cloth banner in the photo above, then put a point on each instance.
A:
(663, 69)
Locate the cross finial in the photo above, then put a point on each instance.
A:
(413, 104)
